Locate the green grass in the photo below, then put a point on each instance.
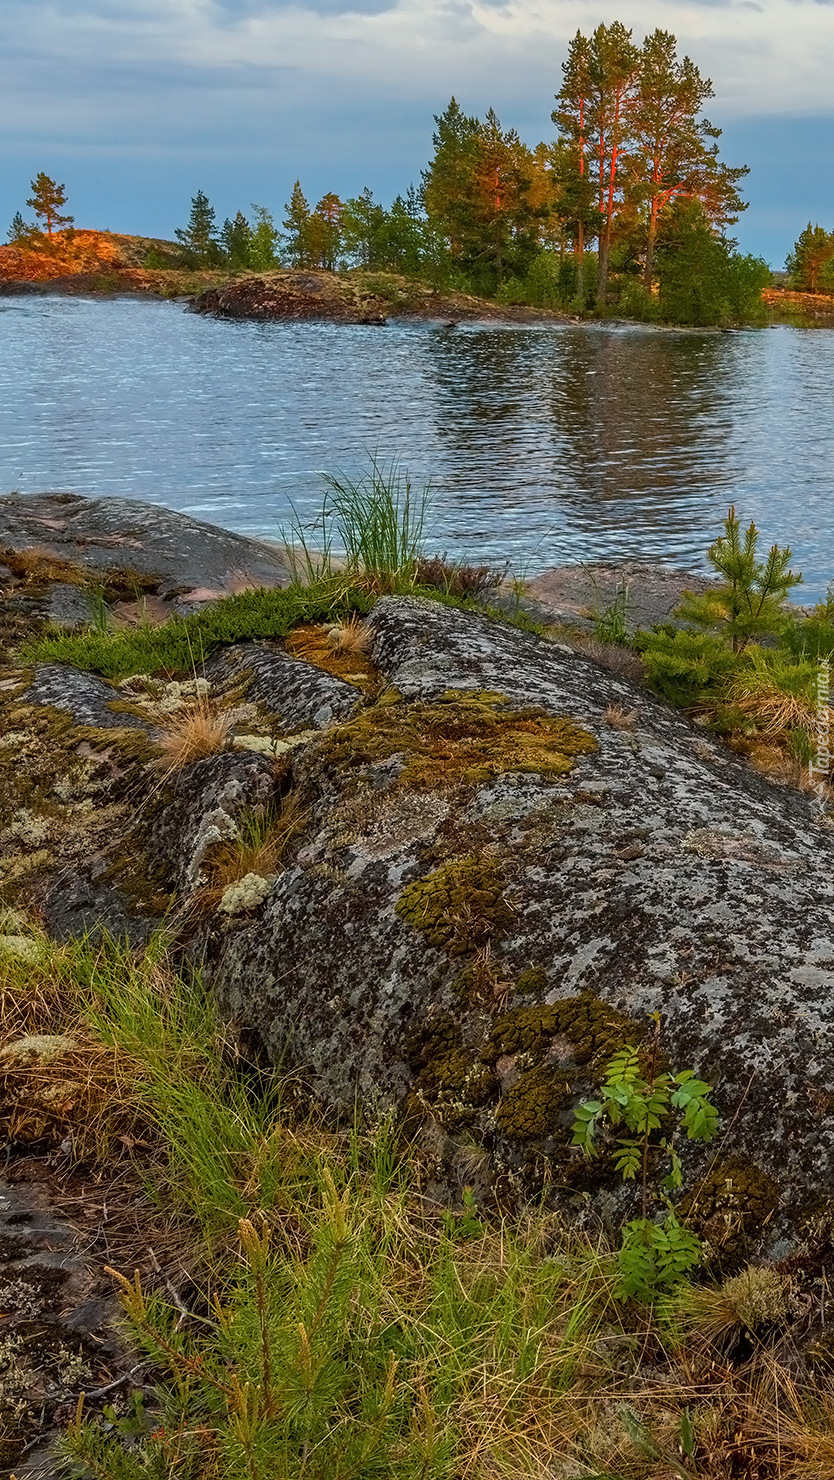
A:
(182, 644)
(345, 1325)
(374, 524)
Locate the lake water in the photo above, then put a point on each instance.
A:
(544, 445)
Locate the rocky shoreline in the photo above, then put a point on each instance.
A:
(494, 860)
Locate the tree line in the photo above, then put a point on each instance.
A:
(624, 209)
(627, 206)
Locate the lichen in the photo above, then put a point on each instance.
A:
(463, 737)
(459, 907)
(245, 894)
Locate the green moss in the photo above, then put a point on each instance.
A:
(531, 1108)
(449, 1078)
(730, 1207)
(463, 737)
(594, 1030)
(460, 907)
(532, 981)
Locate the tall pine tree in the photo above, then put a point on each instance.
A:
(46, 201)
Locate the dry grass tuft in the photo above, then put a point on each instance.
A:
(798, 1426)
(190, 734)
(351, 636)
(624, 662)
(620, 718)
(261, 847)
(69, 1086)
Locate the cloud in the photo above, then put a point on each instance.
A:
(781, 52)
(343, 91)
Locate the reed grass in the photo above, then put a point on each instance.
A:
(370, 526)
(348, 1327)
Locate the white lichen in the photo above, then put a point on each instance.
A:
(22, 947)
(260, 744)
(40, 1048)
(245, 894)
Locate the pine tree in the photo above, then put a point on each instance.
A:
(447, 182)
(18, 231)
(326, 232)
(198, 236)
(363, 225)
(236, 240)
(669, 153)
(570, 157)
(297, 228)
(46, 201)
(614, 71)
(811, 259)
(263, 252)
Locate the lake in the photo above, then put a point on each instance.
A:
(544, 445)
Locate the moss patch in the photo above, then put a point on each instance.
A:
(178, 645)
(730, 1208)
(594, 1030)
(460, 907)
(465, 736)
(531, 1108)
(449, 1078)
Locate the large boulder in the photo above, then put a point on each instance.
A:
(185, 561)
(512, 861)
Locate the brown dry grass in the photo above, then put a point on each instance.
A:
(190, 734)
(261, 847)
(341, 650)
(620, 718)
(624, 662)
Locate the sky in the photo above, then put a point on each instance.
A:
(136, 104)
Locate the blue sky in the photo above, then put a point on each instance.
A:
(135, 104)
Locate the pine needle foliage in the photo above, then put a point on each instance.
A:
(750, 603)
(689, 662)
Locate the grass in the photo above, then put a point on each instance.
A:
(189, 734)
(339, 1322)
(373, 525)
(182, 644)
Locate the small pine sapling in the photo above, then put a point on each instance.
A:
(749, 603)
(686, 664)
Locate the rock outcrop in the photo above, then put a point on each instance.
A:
(143, 547)
(470, 925)
(499, 863)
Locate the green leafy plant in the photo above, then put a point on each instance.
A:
(641, 1114)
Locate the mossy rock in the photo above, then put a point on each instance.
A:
(450, 1079)
(730, 1209)
(532, 1107)
(594, 1030)
(463, 737)
(459, 907)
